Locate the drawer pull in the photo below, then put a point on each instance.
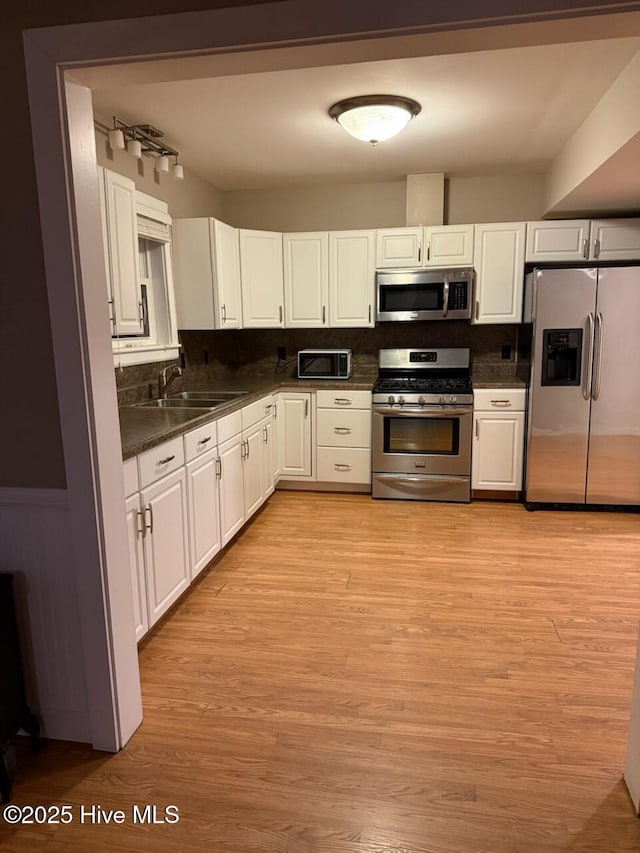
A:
(342, 430)
(339, 466)
(342, 401)
(204, 440)
(504, 403)
(166, 459)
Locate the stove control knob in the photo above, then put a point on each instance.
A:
(391, 399)
(401, 401)
(453, 399)
(442, 399)
(421, 401)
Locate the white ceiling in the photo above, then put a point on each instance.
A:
(483, 113)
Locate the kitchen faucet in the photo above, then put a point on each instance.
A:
(166, 377)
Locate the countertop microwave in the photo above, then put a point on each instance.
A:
(324, 363)
(435, 294)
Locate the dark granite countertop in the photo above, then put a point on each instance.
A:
(489, 376)
(143, 428)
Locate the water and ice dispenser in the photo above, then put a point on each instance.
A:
(561, 357)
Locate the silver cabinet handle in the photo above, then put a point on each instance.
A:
(588, 379)
(585, 248)
(140, 312)
(141, 531)
(342, 401)
(166, 459)
(149, 526)
(429, 251)
(224, 313)
(445, 304)
(598, 356)
(219, 468)
(306, 407)
(268, 407)
(339, 466)
(275, 411)
(419, 253)
(342, 430)
(265, 435)
(477, 308)
(369, 313)
(504, 403)
(596, 248)
(324, 314)
(477, 428)
(280, 312)
(205, 440)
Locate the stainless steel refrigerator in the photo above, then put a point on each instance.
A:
(583, 442)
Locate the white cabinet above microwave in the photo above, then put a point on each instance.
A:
(430, 246)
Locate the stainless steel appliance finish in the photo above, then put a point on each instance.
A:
(324, 363)
(409, 295)
(422, 423)
(584, 403)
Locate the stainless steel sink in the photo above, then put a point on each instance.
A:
(220, 396)
(182, 404)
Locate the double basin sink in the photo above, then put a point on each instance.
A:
(194, 400)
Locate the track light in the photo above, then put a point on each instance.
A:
(139, 139)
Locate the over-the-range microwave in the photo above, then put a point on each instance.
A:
(435, 294)
(324, 363)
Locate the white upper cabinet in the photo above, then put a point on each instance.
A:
(207, 274)
(122, 250)
(499, 264)
(306, 279)
(399, 247)
(561, 240)
(351, 278)
(261, 275)
(615, 240)
(448, 246)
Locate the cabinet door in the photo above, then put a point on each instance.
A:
(230, 490)
(294, 414)
(135, 530)
(204, 514)
(448, 246)
(226, 264)
(564, 240)
(498, 443)
(166, 545)
(306, 279)
(252, 469)
(120, 201)
(399, 247)
(615, 240)
(499, 264)
(351, 279)
(269, 462)
(276, 444)
(193, 273)
(262, 279)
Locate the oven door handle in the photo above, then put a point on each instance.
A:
(419, 411)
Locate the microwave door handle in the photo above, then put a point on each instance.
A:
(445, 304)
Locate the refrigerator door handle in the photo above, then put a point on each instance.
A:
(586, 385)
(598, 356)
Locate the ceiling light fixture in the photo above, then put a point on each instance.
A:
(142, 139)
(374, 118)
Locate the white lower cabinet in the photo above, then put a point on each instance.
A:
(230, 486)
(166, 543)
(204, 511)
(135, 531)
(269, 457)
(294, 417)
(253, 469)
(498, 440)
(343, 429)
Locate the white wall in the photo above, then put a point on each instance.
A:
(190, 197)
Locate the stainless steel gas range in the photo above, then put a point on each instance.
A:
(422, 423)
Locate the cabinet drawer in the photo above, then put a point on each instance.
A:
(495, 399)
(200, 441)
(229, 426)
(344, 465)
(343, 399)
(344, 429)
(160, 460)
(255, 412)
(131, 485)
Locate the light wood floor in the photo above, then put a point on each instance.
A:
(360, 676)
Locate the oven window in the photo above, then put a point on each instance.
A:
(432, 436)
(411, 297)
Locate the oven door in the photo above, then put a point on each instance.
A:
(425, 440)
